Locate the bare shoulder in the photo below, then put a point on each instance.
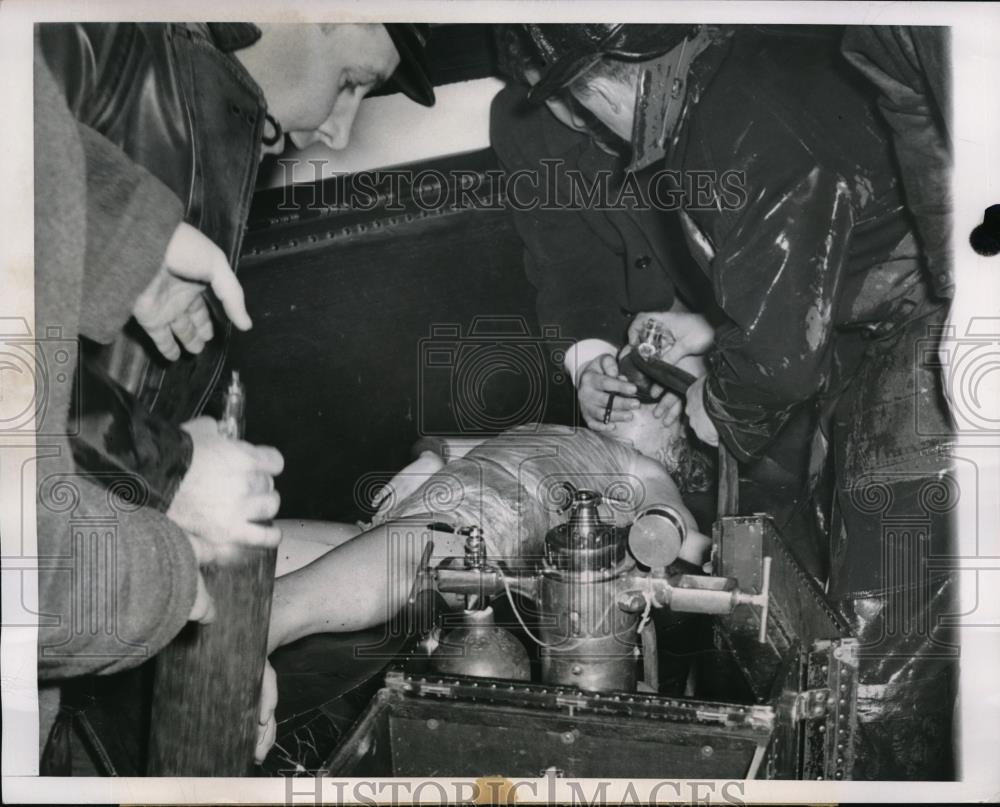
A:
(649, 470)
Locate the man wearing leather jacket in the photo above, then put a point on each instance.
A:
(826, 299)
(196, 106)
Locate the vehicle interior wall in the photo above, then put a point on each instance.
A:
(376, 327)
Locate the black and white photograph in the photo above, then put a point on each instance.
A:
(487, 403)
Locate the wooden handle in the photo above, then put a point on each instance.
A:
(207, 688)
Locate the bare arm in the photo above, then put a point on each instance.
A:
(302, 541)
(361, 583)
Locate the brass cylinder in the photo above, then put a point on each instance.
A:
(589, 641)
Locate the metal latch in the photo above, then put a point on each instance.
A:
(427, 688)
(810, 704)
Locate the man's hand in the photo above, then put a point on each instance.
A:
(229, 487)
(693, 335)
(598, 379)
(267, 726)
(203, 610)
(668, 408)
(700, 422)
(171, 308)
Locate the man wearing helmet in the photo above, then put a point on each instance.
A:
(825, 297)
(595, 267)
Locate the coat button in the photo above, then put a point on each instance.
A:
(643, 261)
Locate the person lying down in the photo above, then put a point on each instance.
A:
(339, 577)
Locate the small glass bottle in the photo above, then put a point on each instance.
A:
(231, 423)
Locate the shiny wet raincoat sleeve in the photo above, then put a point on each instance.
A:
(775, 272)
(911, 67)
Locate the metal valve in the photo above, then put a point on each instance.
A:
(653, 339)
(475, 547)
(697, 594)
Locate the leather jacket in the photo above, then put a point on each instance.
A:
(176, 101)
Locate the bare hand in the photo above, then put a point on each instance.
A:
(203, 609)
(668, 405)
(692, 333)
(668, 408)
(172, 308)
(267, 726)
(701, 423)
(228, 487)
(598, 379)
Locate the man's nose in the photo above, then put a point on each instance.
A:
(336, 131)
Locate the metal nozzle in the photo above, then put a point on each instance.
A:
(475, 547)
(653, 340)
(231, 423)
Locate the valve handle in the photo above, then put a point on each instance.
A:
(765, 599)
(423, 573)
(475, 547)
(580, 497)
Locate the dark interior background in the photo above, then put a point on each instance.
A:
(375, 328)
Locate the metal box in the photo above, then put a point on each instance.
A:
(800, 722)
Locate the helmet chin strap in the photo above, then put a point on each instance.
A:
(659, 99)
